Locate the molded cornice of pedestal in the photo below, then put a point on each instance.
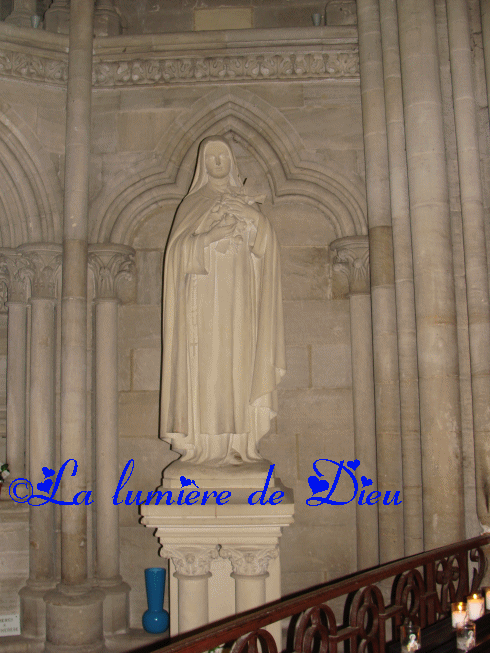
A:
(191, 560)
(111, 264)
(45, 268)
(352, 260)
(250, 561)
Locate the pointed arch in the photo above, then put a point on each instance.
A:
(264, 132)
(31, 198)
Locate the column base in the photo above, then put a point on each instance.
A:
(115, 606)
(74, 620)
(19, 20)
(21, 13)
(33, 609)
(106, 23)
(57, 20)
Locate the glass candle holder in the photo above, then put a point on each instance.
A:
(459, 615)
(466, 636)
(410, 637)
(475, 606)
(486, 590)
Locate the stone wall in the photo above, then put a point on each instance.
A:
(131, 130)
(296, 130)
(143, 16)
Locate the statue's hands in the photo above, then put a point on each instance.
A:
(243, 211)
(220, 231)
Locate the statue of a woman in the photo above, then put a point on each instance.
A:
(223, 340)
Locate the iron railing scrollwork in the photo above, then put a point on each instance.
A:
(359, 613)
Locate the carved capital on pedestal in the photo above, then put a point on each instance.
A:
(191, 560)
(351, 259)
(111, 264)
(44, 268)
(15, 271)
(250, 561)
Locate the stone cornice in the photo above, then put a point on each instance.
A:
(164, 59)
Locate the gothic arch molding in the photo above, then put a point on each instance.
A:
(31, 199)
(262, 130)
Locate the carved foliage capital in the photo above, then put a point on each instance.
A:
(44, 268)
(15, 271)
(351, 259)
(250, 561)
(111, 265)
(191, 560)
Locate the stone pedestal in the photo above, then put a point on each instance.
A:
(225, 557)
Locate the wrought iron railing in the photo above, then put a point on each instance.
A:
(372, 603)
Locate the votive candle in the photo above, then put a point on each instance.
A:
(458, 614)
(475, 606)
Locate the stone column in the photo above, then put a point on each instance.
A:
(440, 415)
(109, 264)
(45, 263)
(22, 12)
(474, 243)
(106, 19)
(485, 24)
(405, 297)
(385, 345)
(74, 610)
(13, 268)
(249, 566)
(192, 564)
(352, 260)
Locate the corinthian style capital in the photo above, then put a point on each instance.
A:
(44, 269)
(111, 264)
(190, 560)
(15, 271)
(351, 259)
(250, 560)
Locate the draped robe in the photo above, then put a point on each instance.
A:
(223, 337)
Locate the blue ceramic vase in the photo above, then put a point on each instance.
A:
(155, 619)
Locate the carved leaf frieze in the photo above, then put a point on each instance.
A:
(34, 67)
(182, 69)
(226, 68)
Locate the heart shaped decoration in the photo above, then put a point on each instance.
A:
(316, 485)
(366, 482)
(48, 472)
(45, 486)
(353, 464)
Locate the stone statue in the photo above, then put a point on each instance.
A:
(223, 338)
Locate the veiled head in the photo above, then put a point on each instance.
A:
(215, 158)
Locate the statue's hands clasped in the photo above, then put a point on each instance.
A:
(241, 209)
(233, 217)
(220, 231)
